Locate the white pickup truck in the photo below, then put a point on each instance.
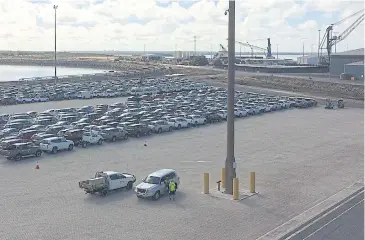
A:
(107, 181)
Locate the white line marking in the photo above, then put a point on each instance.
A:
(334, 219)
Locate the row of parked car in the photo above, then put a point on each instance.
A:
(32, 133)
(39, 91)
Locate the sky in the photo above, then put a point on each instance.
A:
(163, 25)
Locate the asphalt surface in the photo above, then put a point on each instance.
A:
(345, 222)
(39, 107)
(300, 157)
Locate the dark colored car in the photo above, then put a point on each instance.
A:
(137, 130)
(213, 117)
(74, 135)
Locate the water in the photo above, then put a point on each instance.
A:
(14, 73)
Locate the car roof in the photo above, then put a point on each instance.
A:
(110, 172)
(162, 172)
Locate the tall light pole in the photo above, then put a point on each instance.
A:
(277, 51)
(230, 164)
(319, 41)
(303, 47)
(55, 42)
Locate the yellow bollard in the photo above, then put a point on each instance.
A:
(236, 191)
(223, 177)
(206, 183)
(252, 182)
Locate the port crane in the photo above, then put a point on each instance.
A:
(221, 53)
(328, 40)
(267, 51)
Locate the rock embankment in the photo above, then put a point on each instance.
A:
(291, 84)
(77, 63)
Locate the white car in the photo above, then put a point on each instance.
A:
(180, 122)
(55, 144)
(91, 138)
(222, 114)
(198, 120)
(239, 112)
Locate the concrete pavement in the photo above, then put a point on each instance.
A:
(300, 157)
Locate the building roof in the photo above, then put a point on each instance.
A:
(361, 63)
(355, 52)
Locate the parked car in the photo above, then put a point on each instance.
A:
(156, 184)
(55, 144)
(113, 134)
(107, 181)
(138, 130)
(17, 151)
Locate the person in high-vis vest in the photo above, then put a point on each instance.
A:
(172, 190)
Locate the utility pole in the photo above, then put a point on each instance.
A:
(55, 43)
(303, 50)
(194, 46)
(277, 51)
(319, 41)
(230, 164)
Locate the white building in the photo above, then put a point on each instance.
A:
(308, 60)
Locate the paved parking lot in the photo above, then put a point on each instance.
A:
(39, 107)
(300, 157)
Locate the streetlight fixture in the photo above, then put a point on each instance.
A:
(230, 164)
(55, 42)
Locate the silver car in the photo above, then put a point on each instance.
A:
(161, 126)
(156, 184)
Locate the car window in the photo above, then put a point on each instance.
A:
(121, 176)
(114, 177)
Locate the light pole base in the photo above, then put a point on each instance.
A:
(244, 194)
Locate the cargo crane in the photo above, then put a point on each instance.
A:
(252, 47)
(221, 53)
(267, 51)
(331, 40)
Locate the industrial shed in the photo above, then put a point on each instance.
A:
(354, 71)
(339, 60)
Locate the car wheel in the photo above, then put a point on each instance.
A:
(125, 136)
(70, 147)
(84, 144)
(100, 142)
(104, 192)
(196, 123)
(114, 138)
(159, 130)
(54, 150)
(138, 135)
(170, 129)
(18, 157)
(38, 153)
(156, 196)
(179, 126)
(129, 185)
(189, 125)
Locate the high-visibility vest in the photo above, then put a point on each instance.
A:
(172, 186)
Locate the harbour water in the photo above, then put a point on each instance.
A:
(14, 73)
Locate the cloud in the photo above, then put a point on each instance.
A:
(162, 24)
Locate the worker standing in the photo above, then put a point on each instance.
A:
(172, 190)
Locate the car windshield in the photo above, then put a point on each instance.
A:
(152, 180)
